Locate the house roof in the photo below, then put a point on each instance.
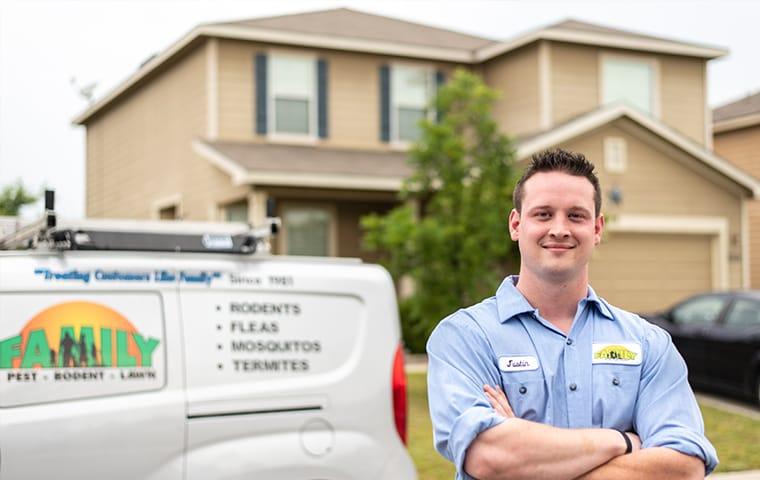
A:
(351, 30)
(344, 22)
(306, 166)
(741, 113)
(582, 124)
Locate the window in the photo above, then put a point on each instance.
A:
(168, 213)
(699, 311)
(615, 155)
(236, 212)
(293, 91)
(743, 313)
(629, 80)
(307, 231)
(411, 91)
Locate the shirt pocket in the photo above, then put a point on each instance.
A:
(526, 392)
(616, 389)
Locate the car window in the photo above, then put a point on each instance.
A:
(699, 311)
(743, 313)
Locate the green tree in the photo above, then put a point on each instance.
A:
(13, 197)
(449, 235)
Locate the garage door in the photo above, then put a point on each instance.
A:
(646, 272)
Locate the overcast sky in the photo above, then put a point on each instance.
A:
(44, 44)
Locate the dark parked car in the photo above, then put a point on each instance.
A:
(718, 335)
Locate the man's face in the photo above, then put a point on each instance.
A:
(557, 229)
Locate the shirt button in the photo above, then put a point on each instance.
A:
(615, 382)
(569, 341)
(523, 389)
(573, 387)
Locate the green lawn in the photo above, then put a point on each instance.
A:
(735, 437)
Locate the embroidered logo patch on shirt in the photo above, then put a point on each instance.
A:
(620, 353)
(518, 363)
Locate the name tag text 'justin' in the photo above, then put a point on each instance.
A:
(518, 363)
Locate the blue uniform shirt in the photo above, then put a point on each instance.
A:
(613, 370)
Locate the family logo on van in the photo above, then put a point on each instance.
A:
(77, 334)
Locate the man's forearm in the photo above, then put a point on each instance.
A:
(650, 464)
(518, 449)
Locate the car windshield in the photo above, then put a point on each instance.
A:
(699, 311)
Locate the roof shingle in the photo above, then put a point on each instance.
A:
(748, 105)
(344, 22)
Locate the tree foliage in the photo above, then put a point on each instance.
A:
(13, 197)
(449, 235)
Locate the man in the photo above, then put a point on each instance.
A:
(546, 380)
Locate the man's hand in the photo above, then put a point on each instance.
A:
(499, 401)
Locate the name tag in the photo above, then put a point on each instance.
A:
(518, 363)
(618, 353)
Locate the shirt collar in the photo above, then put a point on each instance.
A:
(511, 303)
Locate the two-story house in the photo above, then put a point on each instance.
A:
(736, 136)
(316, 110)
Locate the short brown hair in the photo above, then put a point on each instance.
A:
(559, 160)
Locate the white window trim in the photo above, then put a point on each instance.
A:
(395, 143)
(212, 89)
(274, 136)
(716, 227)
(653, 62)
(162, 203)
(332, 231)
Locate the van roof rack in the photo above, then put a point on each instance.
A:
(140, 235)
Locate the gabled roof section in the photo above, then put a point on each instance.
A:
(585, 123)
(575, 31)
(738, 114)
(347, 23)
(351, 30)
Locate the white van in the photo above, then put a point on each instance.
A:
(165, 364)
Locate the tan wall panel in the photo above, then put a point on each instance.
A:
(237, 105)
(741, 147)
(140, 150)
(655, 183)
(574, 80)
(515, 77)
(753, 210)
(683, 95)
(644, 273)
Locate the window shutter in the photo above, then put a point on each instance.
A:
(322, 98)
(385, 103)
(261, 93)
(440, 80)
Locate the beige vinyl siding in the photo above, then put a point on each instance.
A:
(645, 273)
(237, 104)
(139, 150)
(515, 77)
(683, 95)
(753, 212)
(662, 181)
(574, 80)
(353, 100)
(353, 93)
(742, 148)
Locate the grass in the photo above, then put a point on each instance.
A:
(735, 437)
